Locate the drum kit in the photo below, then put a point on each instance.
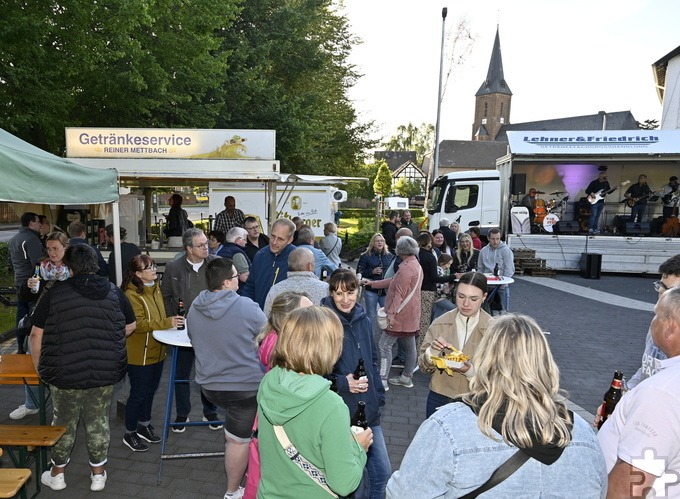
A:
(548, 212)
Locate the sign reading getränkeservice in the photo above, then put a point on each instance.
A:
(170, 143)
(595, 142)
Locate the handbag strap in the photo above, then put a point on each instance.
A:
(415, 288)
(312, 471)
(506, 469)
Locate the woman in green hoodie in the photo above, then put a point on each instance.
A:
(295, 395)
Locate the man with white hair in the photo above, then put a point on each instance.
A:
(449, 235)
(234, 248)
(301, 277)
(321, 261)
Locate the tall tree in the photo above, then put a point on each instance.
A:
(382, 185)
(289, 72)
(412, 138)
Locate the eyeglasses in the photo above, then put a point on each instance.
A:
(660, 287)
(253, 227)
(204, 245)
(234, 277)
(150, 267)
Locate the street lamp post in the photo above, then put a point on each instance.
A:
(435, 167)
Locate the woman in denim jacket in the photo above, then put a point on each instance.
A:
(513, 403)
(372, 265)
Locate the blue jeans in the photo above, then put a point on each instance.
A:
(378, 464)
(434, 402)
(504, 293)
(595, 210)
(372, 300)
(144, 381)
(23, 307)
(185, 362)
(637, 212)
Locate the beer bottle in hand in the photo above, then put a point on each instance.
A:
(611, 398)
(181, 311)
(360, 371)
(359, 421)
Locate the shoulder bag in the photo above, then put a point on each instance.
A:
(382, 315)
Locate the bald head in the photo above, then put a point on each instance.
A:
(404, 231)
(301, 260)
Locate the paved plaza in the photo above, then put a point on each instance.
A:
(593, 326)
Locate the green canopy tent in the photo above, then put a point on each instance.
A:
(31, 175)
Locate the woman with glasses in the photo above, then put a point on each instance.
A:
(373, 264)
(145, 354)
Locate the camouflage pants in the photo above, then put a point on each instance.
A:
(92, 405)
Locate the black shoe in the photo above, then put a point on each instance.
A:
(147, 433)
(213, 426)
(180, 419)
(133, 441)
(396, 362)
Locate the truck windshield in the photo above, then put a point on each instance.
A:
(434, 201)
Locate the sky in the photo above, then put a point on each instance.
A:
(560, 58)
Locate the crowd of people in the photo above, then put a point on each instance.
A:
(303, 363)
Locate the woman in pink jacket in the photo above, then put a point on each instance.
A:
(402, 306)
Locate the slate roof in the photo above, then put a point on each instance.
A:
(395, 159)
(470, 154)
(495, 81)
(622, 120)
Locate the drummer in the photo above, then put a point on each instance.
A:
(529, 200)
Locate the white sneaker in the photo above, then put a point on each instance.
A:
(54, 482)
(385, 385)
(21, 412)
(98, 482)
(402, 381)
(237, 494)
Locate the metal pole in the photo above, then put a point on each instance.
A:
(435, 166)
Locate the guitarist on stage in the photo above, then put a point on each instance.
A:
(669, 193)
(636, 198)
(599, 185)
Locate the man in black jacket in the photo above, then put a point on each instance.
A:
(389, 230)
(78, 349)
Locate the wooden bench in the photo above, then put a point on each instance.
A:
(11, 480)
(29, 436)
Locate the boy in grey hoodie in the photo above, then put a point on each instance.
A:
(498, 253)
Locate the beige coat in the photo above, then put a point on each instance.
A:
(445, 326)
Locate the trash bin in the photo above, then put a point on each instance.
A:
(591, 265)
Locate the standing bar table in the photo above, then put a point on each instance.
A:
(177, 338)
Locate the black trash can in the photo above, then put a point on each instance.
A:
(591, 265)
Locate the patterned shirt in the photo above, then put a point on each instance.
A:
(224, 221)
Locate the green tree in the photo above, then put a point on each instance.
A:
(289, 72)
(382, 185)
(408, 189)
(412, 138)
(363, 189)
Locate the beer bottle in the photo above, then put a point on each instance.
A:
(181, 311)
(359, 418)
(36, 275)
(360, 371)
(611, 398)
(496, 270)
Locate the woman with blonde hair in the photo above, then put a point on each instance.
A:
(373, 264)
(282, 305)
(513, 409)
(465, 257)
(294, 396)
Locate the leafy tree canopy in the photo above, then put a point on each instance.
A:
(408, 189)
(260, 64)
(382, 185)
(412, 138)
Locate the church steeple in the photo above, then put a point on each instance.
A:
(492, 106)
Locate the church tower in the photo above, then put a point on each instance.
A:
(492, 105)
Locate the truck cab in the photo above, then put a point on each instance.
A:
(471, 198)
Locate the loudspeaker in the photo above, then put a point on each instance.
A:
(637, 228)
(591, 265)
(566, 227)
(518, 184)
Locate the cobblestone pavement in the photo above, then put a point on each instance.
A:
(594, 327)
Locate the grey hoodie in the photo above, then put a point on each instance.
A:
(222, 327)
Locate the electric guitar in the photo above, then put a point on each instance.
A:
(633, 201)
(594, 197)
